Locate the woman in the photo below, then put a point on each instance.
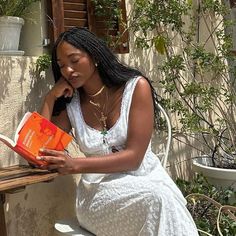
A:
(124, 190)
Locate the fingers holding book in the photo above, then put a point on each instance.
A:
(60, 161)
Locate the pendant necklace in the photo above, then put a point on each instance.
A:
(102, 117)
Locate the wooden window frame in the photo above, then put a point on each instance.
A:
(58, 21)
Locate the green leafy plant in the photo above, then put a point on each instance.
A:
(108, 13)
(205, 202)
(43, 62)
(15, 7)
(197, 70)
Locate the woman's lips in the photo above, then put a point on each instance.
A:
(73, 79)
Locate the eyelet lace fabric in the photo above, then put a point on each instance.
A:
(145, 202)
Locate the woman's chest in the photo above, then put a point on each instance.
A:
(104, 113)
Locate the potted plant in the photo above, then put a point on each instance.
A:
(197, 74)
(11, 22)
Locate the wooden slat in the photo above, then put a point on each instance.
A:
(75, 14)
(18, 171)
(69, 27)
(33, 176)
(76, 1)
(75, 22)
(71, 21)
(75, 6)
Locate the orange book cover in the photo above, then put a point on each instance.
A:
(35, 132)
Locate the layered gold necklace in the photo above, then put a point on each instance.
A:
(98, 92)
(101, 110)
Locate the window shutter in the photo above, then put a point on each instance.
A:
(232, 3)
(55, 14)
(75, 13)
(66, 14)
(106, 26)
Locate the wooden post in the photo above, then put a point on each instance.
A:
(3, 231)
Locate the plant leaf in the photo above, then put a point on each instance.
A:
(159, 43)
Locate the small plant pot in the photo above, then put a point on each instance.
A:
(10, 29)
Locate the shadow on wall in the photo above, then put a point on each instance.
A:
(145, 60)
(40, 83)
(5, 75)
(22, 89)
(34, 211)
(22, 71)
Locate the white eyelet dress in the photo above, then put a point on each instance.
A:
(145, 202)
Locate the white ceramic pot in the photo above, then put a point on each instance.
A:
(10, 29)
(217, 176)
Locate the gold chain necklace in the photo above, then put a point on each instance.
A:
(103, 115)
(97, 93)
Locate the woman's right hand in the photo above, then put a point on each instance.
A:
(61, 88)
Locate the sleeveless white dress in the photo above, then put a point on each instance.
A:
(145, 202)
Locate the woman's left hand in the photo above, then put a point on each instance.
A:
(57, 160)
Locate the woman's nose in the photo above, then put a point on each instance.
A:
(68, 70)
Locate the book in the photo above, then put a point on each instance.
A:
(34, 132)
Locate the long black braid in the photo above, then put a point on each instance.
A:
(111, 70)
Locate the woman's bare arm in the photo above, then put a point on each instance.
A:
(61, 88)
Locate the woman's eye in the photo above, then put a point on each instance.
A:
(75, 61)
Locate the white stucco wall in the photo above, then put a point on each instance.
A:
(34, 210)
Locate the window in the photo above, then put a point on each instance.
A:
(98, 18)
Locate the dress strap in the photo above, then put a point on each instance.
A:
(128, 95)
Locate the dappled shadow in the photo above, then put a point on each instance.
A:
(21, 90)
(5, 76)
(146, 61)
(40, 84)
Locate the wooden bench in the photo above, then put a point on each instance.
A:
(14, 179)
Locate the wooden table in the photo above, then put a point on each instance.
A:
(14, 179)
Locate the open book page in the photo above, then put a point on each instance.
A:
(10, 143)
(21, 124)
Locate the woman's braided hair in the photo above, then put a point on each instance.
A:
(111, 70)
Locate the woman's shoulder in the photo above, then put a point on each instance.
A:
(142, 89)
(137, 80)
(141, 83)
(138, 87)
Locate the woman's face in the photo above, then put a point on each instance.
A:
(76, 66)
